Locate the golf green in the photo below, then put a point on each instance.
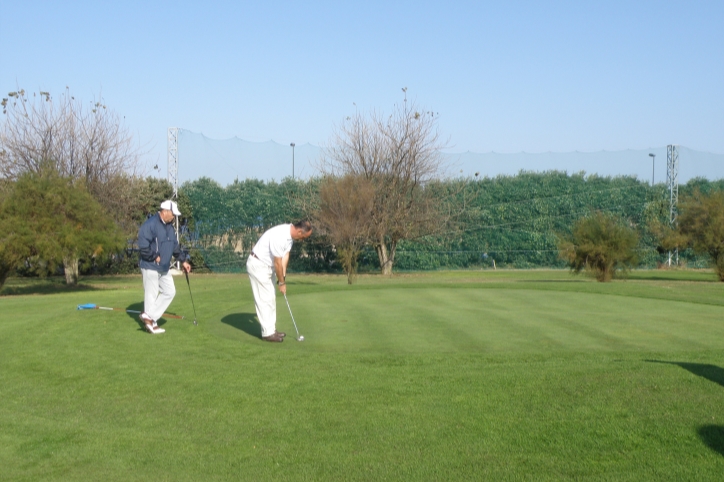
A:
(436, 376)
(483, 320)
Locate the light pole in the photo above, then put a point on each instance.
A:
(653, 167)
(292, 144)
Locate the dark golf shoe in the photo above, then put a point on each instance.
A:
(276, 337)
(280, 333)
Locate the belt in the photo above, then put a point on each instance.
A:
(257, 257)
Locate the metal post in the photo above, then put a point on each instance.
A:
(653, 167)
(672, 180)
(173, 171)
(173, 159)
(292, 144)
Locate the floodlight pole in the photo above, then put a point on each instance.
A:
(653, 167)
(292, 144)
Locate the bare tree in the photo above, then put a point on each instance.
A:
(79, 141)
(344, 215)
(398, 154)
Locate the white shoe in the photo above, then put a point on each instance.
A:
(152, 330)
(151, 325)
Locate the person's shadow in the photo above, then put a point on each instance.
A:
(712, 373)
(245, 322)
(711, 435)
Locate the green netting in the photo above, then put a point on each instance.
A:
(512, 221)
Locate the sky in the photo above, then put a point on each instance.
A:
(504, 77)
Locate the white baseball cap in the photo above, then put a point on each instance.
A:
(171, 206)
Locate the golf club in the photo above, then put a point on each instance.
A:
(299, 337)
(192, 296)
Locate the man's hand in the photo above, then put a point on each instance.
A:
(187, 266)
(283, 288)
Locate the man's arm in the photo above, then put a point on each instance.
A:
(285, 262)
(280, 270)
(182, 256)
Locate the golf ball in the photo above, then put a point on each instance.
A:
(301, 338)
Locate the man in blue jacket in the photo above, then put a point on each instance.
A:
(157, 243)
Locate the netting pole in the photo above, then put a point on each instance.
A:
(173, 159)
(672, 180)
(173, 171)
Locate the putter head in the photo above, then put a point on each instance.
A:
(301, 338)
(195, 322)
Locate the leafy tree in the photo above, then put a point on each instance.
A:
(601, 244)
(398, 154)
(8, 260)
(14, 236)
(133, 198)
(345, 216)
(701, 227)
(57, 220)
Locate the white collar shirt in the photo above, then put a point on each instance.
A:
(274, 243)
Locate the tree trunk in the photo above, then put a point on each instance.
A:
(5, 270)
(718, 258)
(386, 256)
(70, 266)
(348, 255)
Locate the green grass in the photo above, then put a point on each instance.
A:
(506, 375)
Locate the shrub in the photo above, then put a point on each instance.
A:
(600, 244)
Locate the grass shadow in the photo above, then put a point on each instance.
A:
(552, 281)
(713, 437)
(698, 276)
(712, 373)
(245, 322)
(42, 286)
(674, 278)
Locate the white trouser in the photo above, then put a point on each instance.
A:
(159, 291)
(265, 297)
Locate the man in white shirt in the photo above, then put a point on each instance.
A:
(269, 259)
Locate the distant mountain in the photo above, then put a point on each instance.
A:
(604, 163)
(229, 159)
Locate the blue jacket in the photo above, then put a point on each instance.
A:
(155, 238)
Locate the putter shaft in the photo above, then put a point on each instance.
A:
(290, 314)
